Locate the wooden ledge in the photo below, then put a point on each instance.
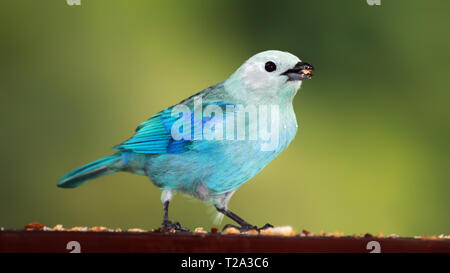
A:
(154, 242)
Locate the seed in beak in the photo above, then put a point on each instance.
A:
(306, 71)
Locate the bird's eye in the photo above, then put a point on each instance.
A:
(270, 67)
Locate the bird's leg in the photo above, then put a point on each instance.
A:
(167, 224)
(244, 225)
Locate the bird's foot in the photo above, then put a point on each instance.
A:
(266, 226)
(168, 225)
(246, 228)
(243, 228)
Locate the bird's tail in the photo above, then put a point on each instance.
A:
(103, 166)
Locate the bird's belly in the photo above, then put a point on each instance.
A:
(212, 168)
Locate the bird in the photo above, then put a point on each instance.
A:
(178, 157)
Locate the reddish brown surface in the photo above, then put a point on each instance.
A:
(53, 241)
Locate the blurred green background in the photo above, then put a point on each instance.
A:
(371, 155)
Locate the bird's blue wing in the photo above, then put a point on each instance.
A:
(154, 136)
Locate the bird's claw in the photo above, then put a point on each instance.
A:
(243, 228)
(266, 226)
(168, 225)
(246, 228)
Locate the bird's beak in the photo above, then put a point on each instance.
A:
(301, 71)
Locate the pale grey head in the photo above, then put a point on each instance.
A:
(269, 74)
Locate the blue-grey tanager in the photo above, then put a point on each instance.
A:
(210, 144)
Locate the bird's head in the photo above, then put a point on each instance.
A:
(268, 74)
